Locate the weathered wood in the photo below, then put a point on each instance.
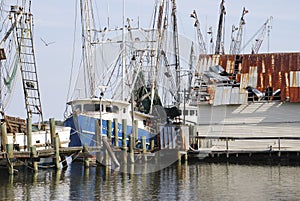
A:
(86, 156)
(52, 130)
(10, 155)
(144, 148)
(34, 156)
(56, 149)
(4, 139)
(98, 139)
(109, 130)
(29, 133)
(110, 152)
(116, 132)
(136, 129)
(131, 148)
(124, 133)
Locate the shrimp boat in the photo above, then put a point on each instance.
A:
(125, 73)
(17, 52)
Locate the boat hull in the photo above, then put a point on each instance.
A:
(83, 131)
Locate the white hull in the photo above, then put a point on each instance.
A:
(40, 138)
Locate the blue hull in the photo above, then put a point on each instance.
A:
(83, 132)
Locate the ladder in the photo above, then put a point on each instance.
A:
(28, 68)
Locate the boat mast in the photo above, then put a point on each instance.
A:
(86, 47)
(176, 50)
(220, 27)
(124, 53)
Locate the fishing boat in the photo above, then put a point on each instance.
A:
(17, 53)
(128, 75)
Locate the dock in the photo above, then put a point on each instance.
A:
(248, 149)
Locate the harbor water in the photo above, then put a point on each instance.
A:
(180, 181)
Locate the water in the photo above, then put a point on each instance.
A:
(180, 181)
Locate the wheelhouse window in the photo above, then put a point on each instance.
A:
(77, 108)
(91, 108)
(112, 108)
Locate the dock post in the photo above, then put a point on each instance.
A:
(131, 148)
(29, 133)
(116, 132)
(109, 130)
(124, 146)
(124, 132)
(56, 149)
(10, 155)
(279, 152)
(52, 130)
(227, 154)
(144, 144)
(98, 140)
(86, 156)
(34, 155)
(4, 140)
(144, 148)
(152, 145)
(136, 130)
(179, 156)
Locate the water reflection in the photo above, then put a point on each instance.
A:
(181, 181)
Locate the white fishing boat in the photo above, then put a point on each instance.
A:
(127, 73)
(17, 54)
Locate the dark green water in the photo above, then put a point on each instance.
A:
(180, 181)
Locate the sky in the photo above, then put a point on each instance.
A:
(54, 21)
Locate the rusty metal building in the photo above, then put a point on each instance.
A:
(276, 70)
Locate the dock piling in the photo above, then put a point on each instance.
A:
(29, 133)
(98, 139)
(4, 140)
(34, 156)
(116, 132)
(52, 130)
(86, 156)
(10, 155)
(56, 150)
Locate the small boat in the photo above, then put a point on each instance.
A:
(17, 53)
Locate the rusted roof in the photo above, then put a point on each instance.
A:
(276, 70)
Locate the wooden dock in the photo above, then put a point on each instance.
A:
(248, 149)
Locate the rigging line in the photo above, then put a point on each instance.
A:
(73, 52)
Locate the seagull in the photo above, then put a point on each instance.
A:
(47, 44)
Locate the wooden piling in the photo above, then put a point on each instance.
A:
(98, 139)
(152, 144)
(56, 150)
(52, 130)
(10, 155)
(110, 153)
(109, 130)
(124, 146)
(144, 144)
(86, 156)
(116, 132)
(144, 148)
(29, 133)
(124, 132)
(34, 156)
(4, 140)
(131, 148)
(136, 129)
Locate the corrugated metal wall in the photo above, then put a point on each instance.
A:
(276, 70)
